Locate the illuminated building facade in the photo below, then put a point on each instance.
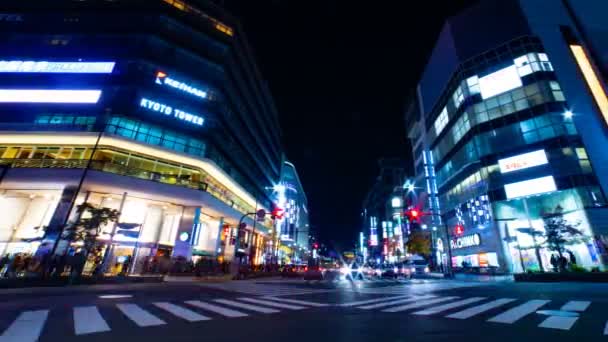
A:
(154, 108)
(379, 221)
(510, 113)
(294, 226)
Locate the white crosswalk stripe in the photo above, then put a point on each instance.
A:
(518, 312)
(138, 315)
(181, 312)
(297, 301)
(445, 307)
(375, 300)
(88, 320)
(26, 328)
(252, 288)
(272, 304)
(476, 310)
(246, 306)
(216, 309)
(394, 302)
(416, 286)
(562, 322)
(419, 304)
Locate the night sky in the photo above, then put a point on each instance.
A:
(339, 72)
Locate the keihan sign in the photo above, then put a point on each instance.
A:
(170, 111)
(466, 241)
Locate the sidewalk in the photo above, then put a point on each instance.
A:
(19, 283)
(484, 278)
(202, 279)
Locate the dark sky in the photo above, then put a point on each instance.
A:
(339, 72)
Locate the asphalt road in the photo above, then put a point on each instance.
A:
(276, 310)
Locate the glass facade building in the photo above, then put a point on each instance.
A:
(158, 103)
(505, 128)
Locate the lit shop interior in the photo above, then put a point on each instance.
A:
(524, 245)
(25, 213)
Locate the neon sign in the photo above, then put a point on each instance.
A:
(57, 67)
(164, 79)
(170, 111)
(523, 161)
(49, 96)
(466, 241)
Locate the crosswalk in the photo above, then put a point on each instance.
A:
(415, 286)
(29, 326)
(499, 311)
(265, 289)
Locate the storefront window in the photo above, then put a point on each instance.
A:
(524, 230)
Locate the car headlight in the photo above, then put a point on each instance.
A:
(413, 270)
(345, 270)
(378, 272)
(426, 270)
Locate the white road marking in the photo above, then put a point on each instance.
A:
(216, 309)
(576, 305)
(565, 323)
(419, 304)
(26, 328)
(375, 300)
(470, 312)
(514, 314)
(272, 304)
(296, 301)
(138, 315)
(88, 320)
(181, 312)
(246, 306)
(445, 307)
(558, 322)
(394, 302)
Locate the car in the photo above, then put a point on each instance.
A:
(313, 273)
(417, 267)
(390, 271)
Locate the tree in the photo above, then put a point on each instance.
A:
(559, 232)
(91, 221)
(419, 243)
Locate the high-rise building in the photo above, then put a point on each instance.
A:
(294, 226)
(152, 107)
(378, 220)
(508, 128)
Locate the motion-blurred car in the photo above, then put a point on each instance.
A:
(417, 267)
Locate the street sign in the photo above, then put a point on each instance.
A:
(261, 215)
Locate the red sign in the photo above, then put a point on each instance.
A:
(459, 229)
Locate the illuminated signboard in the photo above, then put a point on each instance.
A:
(530, 187)
(170, 111)
(164, 79)
(592, 79)
(523, 161)
(57, 67)
(466, 241)
(49, 96)
(499, 82)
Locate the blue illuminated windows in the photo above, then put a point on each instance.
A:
(441, 121)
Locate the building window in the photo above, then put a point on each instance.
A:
(532, 62)
(441, 121)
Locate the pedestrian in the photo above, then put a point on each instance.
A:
(572, 257)
(4, 262)
(554, 262)
(563, 262)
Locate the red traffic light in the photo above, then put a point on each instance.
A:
(315, 245)
(413, 215)
(459, 229)
(277, 213)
